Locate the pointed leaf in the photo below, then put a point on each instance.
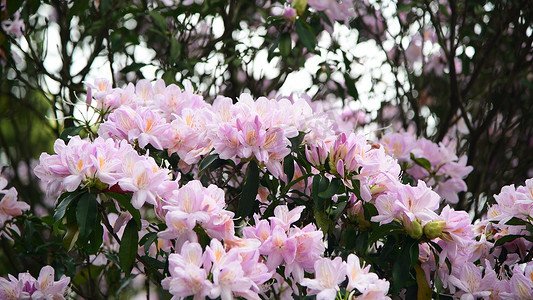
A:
(125, 201)
(288, 167)
(305, 35)
(128, 247)
(207, 161)
(249, 191)
(65, 199)
(86, 214)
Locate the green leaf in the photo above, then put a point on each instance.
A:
(87, 273)
(70, 132)
(86, 214)
(516, 221)
(153, 263)
(507, 238)
(340, 208)
(424, 291)
(272, 48)
(402, 266)
(175, 50)
(159, 21)
(249, 190)
(96, 238)
(132, 67)
(306, 36)
(147, 240)
(285, 44)
(12, 6)
(350, 87)
(69, 240)
(169, 77)
(322, 220)
(207, 161)
(128, 247)
(333, 187)
(288, 167)
(424, 163)
(125, 201)
(295, 181)
(297, 141)
(349, 237)
(65, 199)
(320, 183)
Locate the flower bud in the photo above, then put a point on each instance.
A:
(289, 13)
(413, 229)
(434, 229)
(299, 6)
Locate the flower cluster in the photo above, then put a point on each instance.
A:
(27, 287)
(357, 183)
(102, 164)
(181, 122)
(296, 248)
(329, 273)
(216, 272)
(194, 205)
(445, 172)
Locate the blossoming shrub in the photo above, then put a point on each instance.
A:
(264, 199)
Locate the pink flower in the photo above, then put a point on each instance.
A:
(27, 287)
(15, 26)
(469, 280)
(458, 228)
(187, 277)
(328, 275)
(9, 206)
(143, 181)
(278, 247)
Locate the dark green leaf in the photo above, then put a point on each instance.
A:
(147, 240)
(125, 201)
(272, 48)
(424, 163)
(350, 87)
(153, 263)
(506, 238)
(297, 140)
(207, 161)
(96, 238)
(159, 21)
(320, 183)
(322, 220)
(361, 245)
(401, 268)
(295, 181)
(338, 211)
(128, 247)
(87, 273)
(288, 167)
(515, 221)
(64, 203)
(70, 132)
(333, 187)
(349, 237)
(175, 50)
(285, 44)
(249, 190)
(13, 5)
(306, 36)
(86, 214)
(69, 240)
(132, 67)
